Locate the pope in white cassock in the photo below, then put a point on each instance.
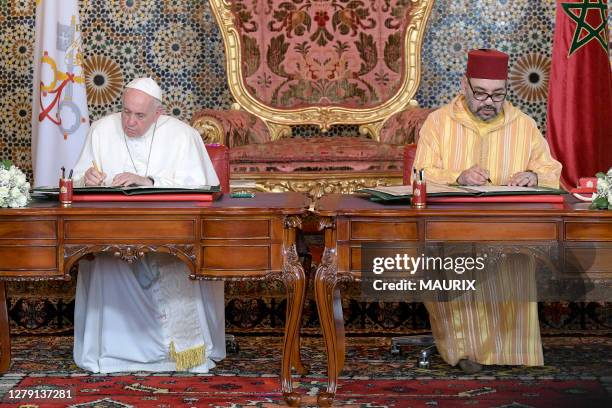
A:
(148, 315)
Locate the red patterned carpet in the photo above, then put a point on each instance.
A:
(578, 374)
(217, 391)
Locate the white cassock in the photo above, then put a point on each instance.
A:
(147, 316)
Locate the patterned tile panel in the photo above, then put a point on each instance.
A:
(178, 43)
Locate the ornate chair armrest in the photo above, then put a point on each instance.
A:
(231, 128)
(409, 155)
(404, 126)
(219, 156)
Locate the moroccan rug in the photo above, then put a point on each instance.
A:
(578, 373)
(217, 391)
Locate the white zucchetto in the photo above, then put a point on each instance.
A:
(146, 85)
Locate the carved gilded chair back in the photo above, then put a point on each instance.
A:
(323, 62)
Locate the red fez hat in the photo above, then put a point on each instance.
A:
(487, 64)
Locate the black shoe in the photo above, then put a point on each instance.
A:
(469, 366)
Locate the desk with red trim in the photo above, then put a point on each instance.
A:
(44, 240)
(350, 221)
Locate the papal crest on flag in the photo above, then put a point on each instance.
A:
(60, 119)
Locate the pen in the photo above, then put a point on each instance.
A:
(70, 174)
(242, 194)
(63, 172)
(95, 166)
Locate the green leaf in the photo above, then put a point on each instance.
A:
(368, 53)
(7, 164)
(600, 203)
(393, 52)
(279, 15)
(276, 55)
(251, 55)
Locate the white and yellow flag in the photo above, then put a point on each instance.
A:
(60, 119)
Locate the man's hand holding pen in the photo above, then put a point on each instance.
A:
(94, 176)
(130, 179)
(474, 176)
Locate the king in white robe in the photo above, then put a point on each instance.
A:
(146, 316)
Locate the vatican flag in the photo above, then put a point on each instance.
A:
(60, 120)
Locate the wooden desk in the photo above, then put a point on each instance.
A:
(350, 221)
(230, 239)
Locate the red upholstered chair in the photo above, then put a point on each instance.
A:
(311, 65)
(219, 155)
(409, 155)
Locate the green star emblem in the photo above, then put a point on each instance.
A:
(585, 32)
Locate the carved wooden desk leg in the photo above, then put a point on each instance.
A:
(5, 339)
(332, 324)
(296, 358)
(294, 279)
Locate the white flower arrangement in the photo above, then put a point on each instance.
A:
(603, 198)
(14, 188)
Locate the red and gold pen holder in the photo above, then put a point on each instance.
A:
(65, 191)
(419, 194)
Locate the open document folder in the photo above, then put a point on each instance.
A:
(136, 193)
(445, 193)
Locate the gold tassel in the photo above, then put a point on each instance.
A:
(187, 358)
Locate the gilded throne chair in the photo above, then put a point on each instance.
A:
(324, 92)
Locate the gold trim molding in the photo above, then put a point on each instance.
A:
(278, 120)
(210, 129)
(315, 185)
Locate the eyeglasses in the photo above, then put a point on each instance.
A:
(483, 96)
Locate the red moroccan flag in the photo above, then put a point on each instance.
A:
(579, 128)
